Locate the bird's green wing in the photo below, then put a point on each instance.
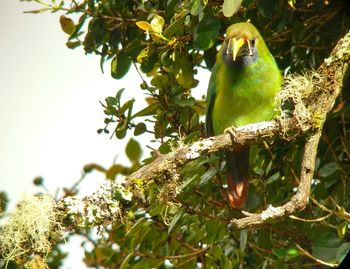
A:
(210, 101)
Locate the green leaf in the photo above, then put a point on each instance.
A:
(328, 169)
(285, 253)
(243, 240)
(139, 237)
(118, 96)
(143, 265)
(161, 81)
(150, 110)
(120, 65)
(125, 262)
(67, 25)
(279, 252)
(176, 28)
(149, 62)
(230, 7)
(165, 147)
(264, 239)
(206, 33)
(326, 246)
(102, 61)
(73, 45)
(192, 137)
(166, 58)
(341, 229)
(120, 130)
(137, 226)
(175, 220)
(292, 252)
(140, 128)
(209, 57)
(103, 252)
(266, 7)
(78, 26)
(112, 101)
(36, 11)
(341, 252)
(114, 65)
(197, 6)
(127, 106)
(225, 263)
(170, 9)
(183, 70)
(208, 175)
(185, 102)
(273, 178)
(133, 150)
(142, 55)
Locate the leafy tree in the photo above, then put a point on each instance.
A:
(181, 219)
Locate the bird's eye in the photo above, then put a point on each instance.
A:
(252, 41)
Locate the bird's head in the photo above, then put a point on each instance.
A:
(241, 43)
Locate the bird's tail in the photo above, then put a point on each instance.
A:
(237, 162)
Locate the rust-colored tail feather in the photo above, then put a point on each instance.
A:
(237, 163)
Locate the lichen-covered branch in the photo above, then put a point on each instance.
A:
(321, 101)
(179, 157)
(313, 95)
(297, 202)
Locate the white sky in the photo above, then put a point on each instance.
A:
(49, 107)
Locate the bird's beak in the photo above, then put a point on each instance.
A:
(238, 46)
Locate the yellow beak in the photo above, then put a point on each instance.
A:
(235, 45)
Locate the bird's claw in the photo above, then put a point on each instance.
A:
(232, 132)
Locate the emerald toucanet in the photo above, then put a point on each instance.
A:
(242, 89)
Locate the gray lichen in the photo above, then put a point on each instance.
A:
(293, 101)
(31, 228)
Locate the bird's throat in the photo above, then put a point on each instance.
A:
(241, 60)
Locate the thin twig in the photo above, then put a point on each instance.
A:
(307, 254)
(310, 220)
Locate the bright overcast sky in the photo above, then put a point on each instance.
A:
(49, 103)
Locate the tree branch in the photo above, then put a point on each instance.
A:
(324, 95)
(297, 202)
(326, 85)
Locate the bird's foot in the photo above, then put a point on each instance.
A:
(232, 132)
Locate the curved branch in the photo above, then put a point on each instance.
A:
(297, 202)
(321, 101)
(331, 72)
(326, 87)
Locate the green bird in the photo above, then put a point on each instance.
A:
(242, 89)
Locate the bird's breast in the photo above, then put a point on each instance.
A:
(244, 97)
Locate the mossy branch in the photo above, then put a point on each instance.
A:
(319, 102)
(313, 96)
